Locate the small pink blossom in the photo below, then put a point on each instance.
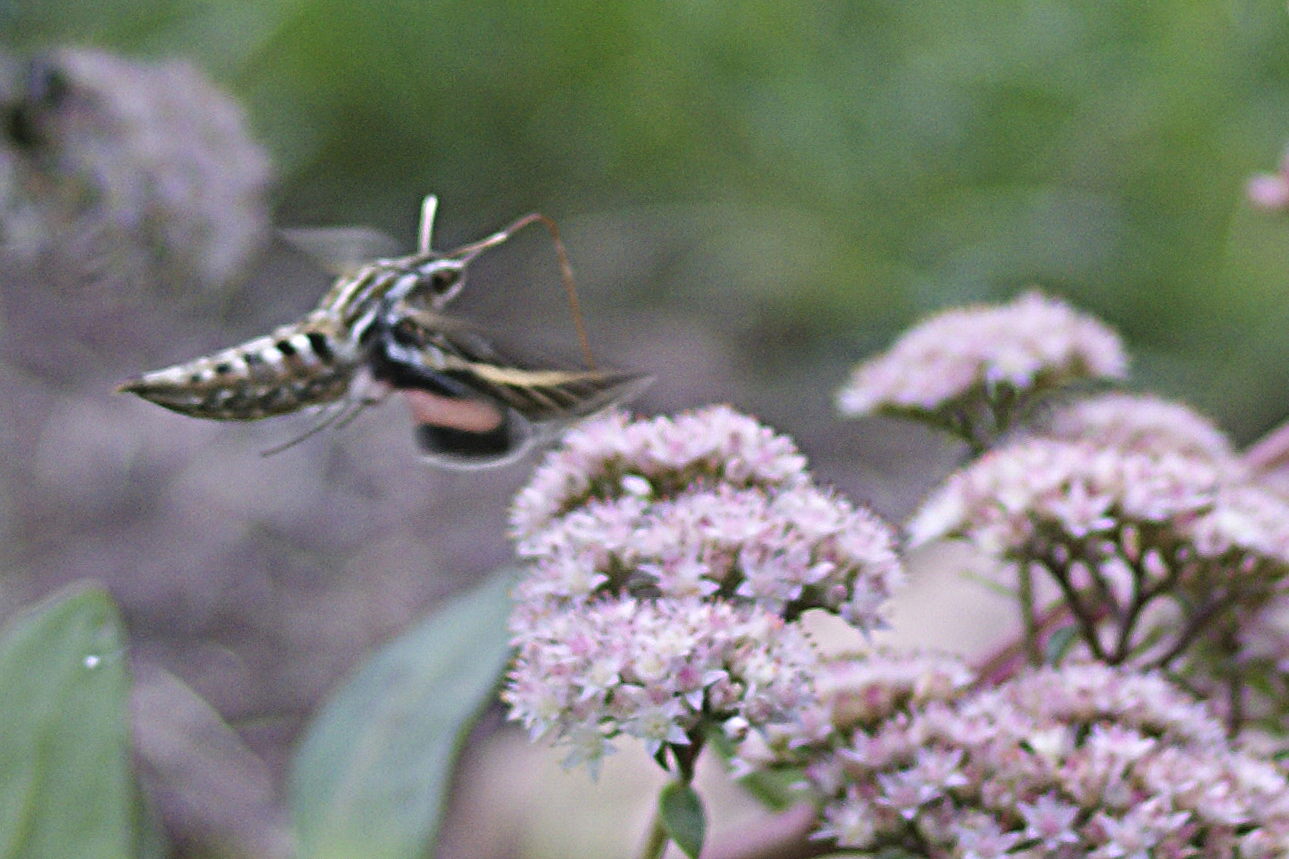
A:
(1049, 820)
(951, 359)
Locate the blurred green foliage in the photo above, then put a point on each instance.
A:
(830, 171)
(373, 772)
(68, 789)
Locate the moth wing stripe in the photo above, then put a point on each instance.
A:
(521, 378)
(553, 393)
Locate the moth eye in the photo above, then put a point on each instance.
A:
(442, 280)
(404, 331)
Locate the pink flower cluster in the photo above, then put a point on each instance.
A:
(710, 504)
(144, 170)
(854, 690)
(958, 356)
(1113, 501)
(1120, 531)
(666, 564)
(1083, 760)
(654, 670)
(1143, 423)
(615, 455)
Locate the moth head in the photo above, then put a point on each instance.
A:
(432, 282)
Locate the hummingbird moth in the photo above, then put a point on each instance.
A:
(383, 322)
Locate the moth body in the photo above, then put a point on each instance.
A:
(299, 365)
(472, 405)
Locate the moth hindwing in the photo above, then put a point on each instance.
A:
(383, 319)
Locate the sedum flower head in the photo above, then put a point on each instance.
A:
(665, 562)
(867, 689)
(960, 356)
(711, 505)
(1111, 502)
(144, 173)
(1120, 530)
(857, 690)
(613, 455)
(1084, 760)
(1142, 423)
(656, 670)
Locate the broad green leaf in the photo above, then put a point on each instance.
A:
(681, 810)
(370, 775)
(66, 787)
(209, 778)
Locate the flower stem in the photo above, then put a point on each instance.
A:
(1029, 620)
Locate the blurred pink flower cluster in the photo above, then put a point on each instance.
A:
(667, 562)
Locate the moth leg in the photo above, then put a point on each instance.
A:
(341, 413)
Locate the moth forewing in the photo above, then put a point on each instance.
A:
(340, 251)
(474, 405)
(410, 347)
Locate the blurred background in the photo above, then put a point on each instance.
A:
(754, 196)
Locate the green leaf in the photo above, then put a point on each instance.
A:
(207, 775)
(1059, 644)
(776, 789)
(681, 810)
(370, 776)
(66, 787)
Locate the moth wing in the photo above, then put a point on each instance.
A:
(475, 405)
(341, 251)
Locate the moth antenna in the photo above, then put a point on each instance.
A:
(570, 289)
(428, 207)
(565, 270)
